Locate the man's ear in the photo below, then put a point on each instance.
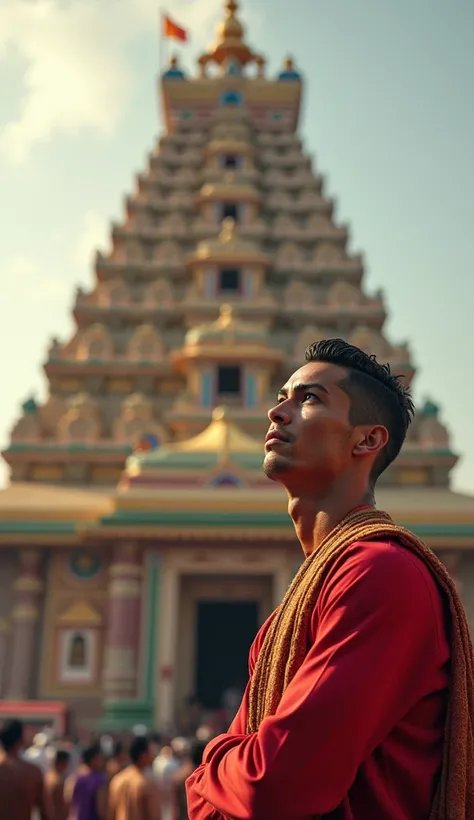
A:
(371, 440)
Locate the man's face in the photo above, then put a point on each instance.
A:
(310, 440)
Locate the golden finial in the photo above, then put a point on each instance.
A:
(226, 316)
(220, 414)
(289, 64)
(228, 230)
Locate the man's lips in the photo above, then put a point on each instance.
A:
(274, 437)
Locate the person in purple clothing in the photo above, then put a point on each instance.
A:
(88, 794)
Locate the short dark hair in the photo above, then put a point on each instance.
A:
(91, 753)
(11, 734)
(118, 748)
(62, 756)
(377, 395)
(138, 747)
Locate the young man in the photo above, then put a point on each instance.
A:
(86, 792)
(133, 795)
(54, 780)
(346, 713)
(21, 783)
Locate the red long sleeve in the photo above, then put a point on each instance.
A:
(378, 648)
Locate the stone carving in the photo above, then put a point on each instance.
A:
(136, 418)
(159, 294)
(298, 296)
(344, 295)
(81, 422)
(289, 257)
(95, 343)
(328, 254)
(114, 294)
(168, 254)
(145, 345)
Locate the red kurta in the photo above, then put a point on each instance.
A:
(358, 734)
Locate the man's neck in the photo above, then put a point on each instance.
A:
(315, 518)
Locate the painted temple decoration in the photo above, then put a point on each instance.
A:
(81, 421)
(95, 343)
(145, 345)
(136, 485)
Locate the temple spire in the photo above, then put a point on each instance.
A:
(230, 51)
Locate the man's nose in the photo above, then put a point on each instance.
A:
(280, 413)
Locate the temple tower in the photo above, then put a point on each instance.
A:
(138, 514)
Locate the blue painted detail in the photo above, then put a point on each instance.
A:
(233, 68)
(206, 389)
(289, 76)
(84, 564)
(174, 74)
(231, 98)
(209, 284)
(225, 480)
(250, 390)
(149, 441)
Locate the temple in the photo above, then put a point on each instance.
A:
(138, 533)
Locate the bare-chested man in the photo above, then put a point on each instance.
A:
(21, 783)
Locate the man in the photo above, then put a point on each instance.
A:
(21, 783)
(54, 780)
(86, 792)
(134, 796)
(118, 761)
(346, 713)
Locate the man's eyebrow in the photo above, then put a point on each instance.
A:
(298, 388)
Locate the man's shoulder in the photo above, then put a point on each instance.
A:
(30, 770)
(385, 555)
(384, 569)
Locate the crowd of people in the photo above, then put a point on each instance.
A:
(141, 778)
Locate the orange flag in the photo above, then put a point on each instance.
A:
(172, 31)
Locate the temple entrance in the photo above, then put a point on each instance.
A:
(225, 631)
(219, 616)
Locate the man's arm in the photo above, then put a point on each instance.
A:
(42, 803)
(198, 808)
(375, 647)
(101, 802)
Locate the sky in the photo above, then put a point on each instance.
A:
(388, 116)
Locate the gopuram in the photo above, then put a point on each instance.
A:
(140, 544)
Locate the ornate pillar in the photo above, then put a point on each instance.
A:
(25, 616)
(121, 657)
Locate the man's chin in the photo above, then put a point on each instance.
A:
(275, 466)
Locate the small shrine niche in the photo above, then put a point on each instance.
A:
(114, 295)
(298, 296)
(344, 295)
(168, 254)
(328, 253)
(81, 422)
(136, 420)
(288, 256)
(159, 294)
(95, 343)
(145, 345)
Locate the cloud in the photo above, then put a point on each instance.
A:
(79, 72)
(22, 273)
(94, 235)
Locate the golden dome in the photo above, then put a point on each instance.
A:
(230, 28)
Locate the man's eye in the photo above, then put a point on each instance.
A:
(310, 397)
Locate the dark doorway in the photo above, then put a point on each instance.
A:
(229, 281)
(230, 211)
(228, 381)
(225, 632)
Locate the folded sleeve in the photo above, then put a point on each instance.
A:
(375, 640)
